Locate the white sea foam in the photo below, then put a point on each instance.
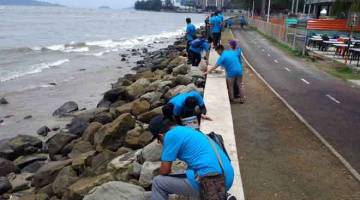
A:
(77, 50)
(37, 68)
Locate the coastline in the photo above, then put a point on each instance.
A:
(107, 143)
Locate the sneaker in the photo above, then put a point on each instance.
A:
(231, 198)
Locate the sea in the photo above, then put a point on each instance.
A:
(50, 55)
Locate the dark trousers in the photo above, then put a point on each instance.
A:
(195, 58)
(216, 38)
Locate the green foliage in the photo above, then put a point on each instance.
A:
(341, 8)
(276, 5)
(155, 5)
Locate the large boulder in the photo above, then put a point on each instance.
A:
(4, 185)
(181, 69)
(98, 163)
(33, 167)
(47, 173)
(126, 108)
(58, 142)
(6, 151)
(183, 79)
(176, 62)
(79, 148)
(81, 161)
(66, 109)
(22, 144)
(6, 167)
(81, 187)
(152, 97)
(66, 177)
(20, 182)
(103, 118)
(137, 89)
(114, 94)
(122, 161)
(90, 131)
(116, 190)
(78, 125)
(140, 106)
(146, 117)
(111, 136)
(138, 137)
(158, 85)
(148, 171)
(37, 196)
(151, 152)
(23, 161)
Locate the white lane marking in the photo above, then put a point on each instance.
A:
(305, 81)
(268, 55)
(287, 69)
(333, 99)
(276, 61)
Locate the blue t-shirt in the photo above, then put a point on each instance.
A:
(179, 100)
(229, 60)
(190, 32)
(198, 49)
(238, 54)
(194, 149)
(230, 22)
(221, 16)
(216, 21)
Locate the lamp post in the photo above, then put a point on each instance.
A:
(268, 12)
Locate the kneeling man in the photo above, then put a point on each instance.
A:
(195, 149)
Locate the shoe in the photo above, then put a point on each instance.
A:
(231, 198)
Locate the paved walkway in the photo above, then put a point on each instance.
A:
(328, 104)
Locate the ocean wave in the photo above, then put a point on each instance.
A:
(33, 69)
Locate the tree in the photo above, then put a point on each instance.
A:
(342, 8)
(155, 5)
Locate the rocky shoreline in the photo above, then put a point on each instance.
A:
(106, 152)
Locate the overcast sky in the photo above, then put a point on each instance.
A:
(94, 3)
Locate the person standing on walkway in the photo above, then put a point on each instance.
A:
(242, 21)
(190, 34)
(229, 23)
(229, 60)
(216, 26)
(197, 47)
(233, 46)
(204, 158)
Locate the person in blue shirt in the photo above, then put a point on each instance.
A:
(242, 21)
(216, 26)
(190, 34)
(229, 23)
(195, 149)
(233, 46)
(197, 47)
(229, 60)
(185, 105)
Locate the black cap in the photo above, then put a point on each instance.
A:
(157, 124)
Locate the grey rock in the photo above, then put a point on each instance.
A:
(181, 69)
(66, 109)
(148, 171)
(152, 97)
(79, 148)
(47, 173)
(3, 101)
(78, 126)
(111, 136)
(55, 128)
(90, 131)
(21, 143)
(137, 89)
(7, 167)
(58, 142)
(151, 152)
(6, 151)
(140, 106)
(137, 138)
(66, 177)
(146, 117)
(116, 190)
(183, 79)
(114, 94)
(20, 181)
(23, 161)
(28, 117)
(4, 185)
(103, 118)
(33, 167)
(43, 131)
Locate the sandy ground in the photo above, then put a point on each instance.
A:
(279, 157)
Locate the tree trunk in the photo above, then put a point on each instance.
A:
(263, 7)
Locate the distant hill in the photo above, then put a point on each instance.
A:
(26, 3)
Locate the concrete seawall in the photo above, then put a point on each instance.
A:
(219, 109)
